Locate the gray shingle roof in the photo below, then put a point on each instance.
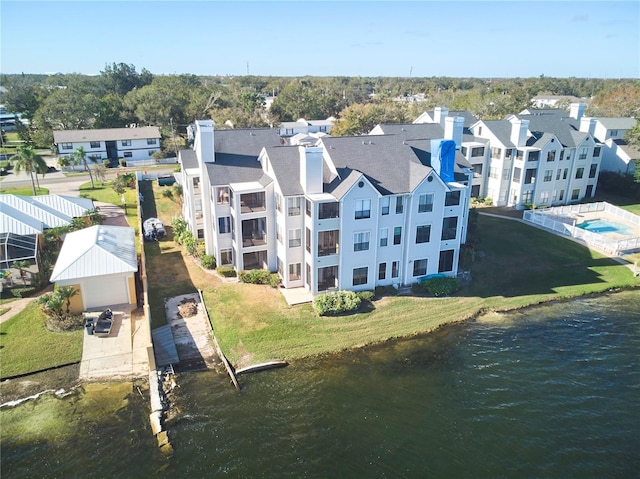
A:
(285, 161)
(188, 158)
(502, 130)
(106, 134)
(618, 123)
(562, 127)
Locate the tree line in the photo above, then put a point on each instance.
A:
(123, 96)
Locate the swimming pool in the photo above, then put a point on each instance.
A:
(601, 226)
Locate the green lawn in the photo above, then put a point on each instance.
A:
(23, 191)
(26, 345)
(106, 194)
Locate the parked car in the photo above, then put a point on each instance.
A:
(166, 180)
(153, 229)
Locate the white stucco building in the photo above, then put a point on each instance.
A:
(351, 213)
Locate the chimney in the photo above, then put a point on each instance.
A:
(588, 125)
(203, 143)
(577, 110)
(519, 131)
(311, 169)
(443, 158)
(439, 114)
(453, 129)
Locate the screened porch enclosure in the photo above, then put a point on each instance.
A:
(15, 247)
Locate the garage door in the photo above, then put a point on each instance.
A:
(97, 292)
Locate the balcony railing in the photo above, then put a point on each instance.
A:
(254, 239)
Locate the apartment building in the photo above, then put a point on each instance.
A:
(350, 213)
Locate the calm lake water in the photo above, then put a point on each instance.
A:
(553, 391)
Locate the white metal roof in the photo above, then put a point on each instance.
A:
(69, 205)
(96, 251)
(18, 222)
(50, 210)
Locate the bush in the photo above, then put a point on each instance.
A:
(167, 194)
(385, 291)
(441, 286)
(336, 302)
(207, 261)
(106, 163)
(22, 292)
(366, 295)
(226, 271)
(122, 162)
(259, 276)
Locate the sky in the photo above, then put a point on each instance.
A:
(590, 39)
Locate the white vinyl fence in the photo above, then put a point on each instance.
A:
(561, 219)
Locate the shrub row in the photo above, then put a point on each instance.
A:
(207, 261)
(436, 286)
(336, 302)
(259, 276)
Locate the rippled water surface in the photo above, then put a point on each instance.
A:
(553, 391)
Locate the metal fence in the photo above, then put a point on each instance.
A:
(562, 220)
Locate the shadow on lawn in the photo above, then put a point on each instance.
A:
(149, 203)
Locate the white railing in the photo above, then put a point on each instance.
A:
(562, 220)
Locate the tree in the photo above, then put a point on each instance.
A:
(26, 159)
(21, 266)
(80, 158)
(120, 78)
(65, 293)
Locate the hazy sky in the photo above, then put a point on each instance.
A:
(291, 38)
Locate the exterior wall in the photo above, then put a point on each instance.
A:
(138, 150)
(76, 304)
(614, 159)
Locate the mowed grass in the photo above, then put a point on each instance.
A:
(23, 190)
(516, 266)
(104, 193)
(26, 345)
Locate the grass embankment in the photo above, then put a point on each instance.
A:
(26, 345)
(516, 266)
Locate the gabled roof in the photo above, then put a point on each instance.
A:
(18, 222)
(188, 158)
(106, 134)
(50, 210)
(501, 129)
(285, 161)
(96, 251)
(562, 127)
(631, 151)
(617, 123)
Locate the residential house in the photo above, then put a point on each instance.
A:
(288, 129)
(134, 145)
(351, 213)
(617, 154)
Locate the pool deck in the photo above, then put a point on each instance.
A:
(634, 231)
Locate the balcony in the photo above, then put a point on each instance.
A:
(254, 232)
(252, 202)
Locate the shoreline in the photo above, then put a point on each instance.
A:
(24, 388)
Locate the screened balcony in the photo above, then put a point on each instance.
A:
(254, 232)
(252, 202)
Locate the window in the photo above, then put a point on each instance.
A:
(477, 151)
(95, 157)
(395, 268)
(593, 170)
(328, 242)
(477, 170)
(505, 174)
(307, 239)
(596, 151)
(551, 156)
(589, 192)
(548, 175)
(223, 195)
(496, 152)
(328, 211)
(295, 271)
(226, 256)
(280, 266)
(508, 153)
(558, 174)
(561, 155)
(463, 150)
(479, 131)
(583, 153)
(279, 202)
(452, 198)
(293, 206)
(579, 173)
(151, 152)
(399, 205)
(530, 176)
(568, 155)
(527, 196)
(361, 241)
(152, 141)
(423, 234)
(493, 173)
(295, 238)
(534, 156)
(544, 197)
(384, 236)
(384, 205)
(565, 173)
(517, 173)
(561, 196)
(279, 234)
(575, 194)
(446, 261)
(425, 203)
(126, 142)
(382, 271)
(251, 202)
(94, 144)
(449, 227)
(360, 276)
(420, 267)
(67, 146)
(308, 207)
(128, 154)
(224, 224)
(397, 235)
(613, 133)
(363, 209)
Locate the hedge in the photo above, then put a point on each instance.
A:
(336, 302)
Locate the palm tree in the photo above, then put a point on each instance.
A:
(80, 158)
(26, 159)
(65, 293)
